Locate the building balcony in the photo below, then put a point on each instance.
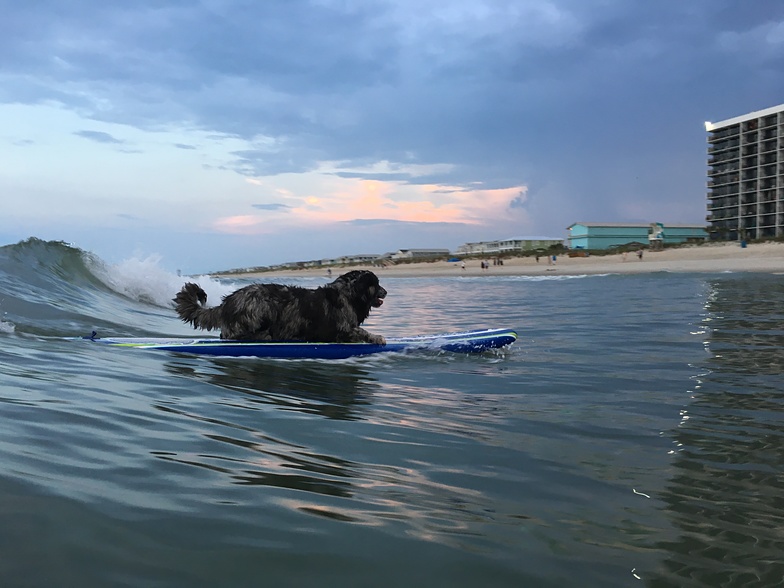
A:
(723, 203)
(724, 134)
(721, 215)
(723, 192)
(724, 146)
(727, 157)
(723, 169)
(726, 178)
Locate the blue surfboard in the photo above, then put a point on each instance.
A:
(463, 342)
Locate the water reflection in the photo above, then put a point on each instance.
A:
(304, 437)
(241, 436)
(727, 495)
(328, 389)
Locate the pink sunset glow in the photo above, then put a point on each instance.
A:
(354, 199)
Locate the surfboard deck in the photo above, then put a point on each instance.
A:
(462, 342)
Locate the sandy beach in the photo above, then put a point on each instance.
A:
(713, 258)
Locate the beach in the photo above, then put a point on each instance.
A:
(709, 258)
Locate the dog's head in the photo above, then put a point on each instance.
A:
(363, 286)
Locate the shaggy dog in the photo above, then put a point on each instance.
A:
(273, 312)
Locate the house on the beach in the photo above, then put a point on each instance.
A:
(418, 254)
(510, 245)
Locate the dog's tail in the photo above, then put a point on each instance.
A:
(189, 303)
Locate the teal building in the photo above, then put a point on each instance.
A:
(608, 235)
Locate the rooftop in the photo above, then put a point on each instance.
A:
(638, 225)
(709, 126)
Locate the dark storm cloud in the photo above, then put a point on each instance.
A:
(596, 101)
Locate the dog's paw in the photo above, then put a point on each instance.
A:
(378, 340)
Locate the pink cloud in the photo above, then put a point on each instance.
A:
(343, 199)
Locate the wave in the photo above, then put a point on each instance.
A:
(56, 289)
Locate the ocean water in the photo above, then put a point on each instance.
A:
(632, 436)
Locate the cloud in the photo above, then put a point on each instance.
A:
(520, 200)
(392, 223)
(99, 137)
(129, 217)
(273, 206)
(763, 42)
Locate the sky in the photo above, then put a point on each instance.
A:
(221, 134)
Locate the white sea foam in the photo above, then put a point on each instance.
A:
(6, 327)
(143, 279)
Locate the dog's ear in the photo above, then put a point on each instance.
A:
(372, 284)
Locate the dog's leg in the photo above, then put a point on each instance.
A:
(360, 335)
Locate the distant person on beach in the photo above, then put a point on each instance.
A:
(463, 265)
(639, 254)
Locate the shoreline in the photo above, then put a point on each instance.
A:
(713, 258)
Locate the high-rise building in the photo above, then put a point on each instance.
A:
(746, 176)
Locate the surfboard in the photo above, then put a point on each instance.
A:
(462, 342)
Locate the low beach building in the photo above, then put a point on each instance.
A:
(609, 235)
(359, 259)
(419, 254)
(746, 176)
(511, 245)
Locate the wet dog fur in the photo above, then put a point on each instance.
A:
(274, 312)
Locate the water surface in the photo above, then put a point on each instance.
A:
(632, 436)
